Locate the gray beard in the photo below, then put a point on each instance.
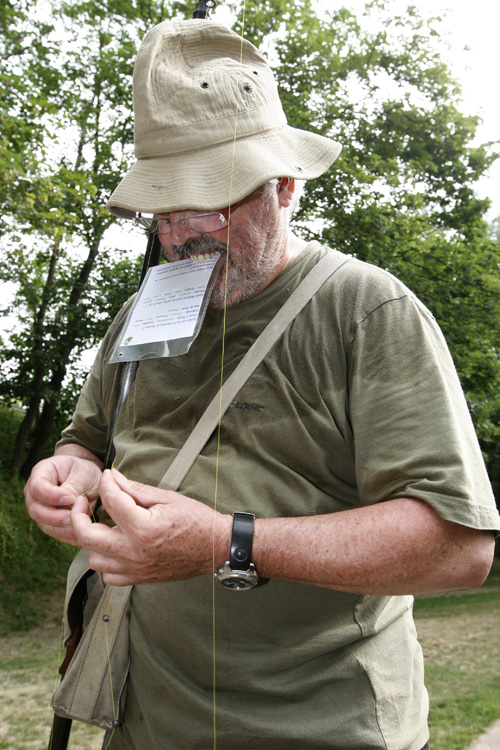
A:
(243, 281)
(200, 245)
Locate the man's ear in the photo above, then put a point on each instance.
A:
(285, 191)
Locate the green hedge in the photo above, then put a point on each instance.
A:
(32, 565)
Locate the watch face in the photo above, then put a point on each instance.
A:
(237, 583)
(237, 580)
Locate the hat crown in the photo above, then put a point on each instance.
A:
(206, 109)
(198, 84)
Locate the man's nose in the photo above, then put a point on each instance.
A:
(180, 232)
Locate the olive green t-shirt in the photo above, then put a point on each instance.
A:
(357, 403)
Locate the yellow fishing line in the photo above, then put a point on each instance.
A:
(218, 441)
(84, 494)
(108, 743)
(214, 672)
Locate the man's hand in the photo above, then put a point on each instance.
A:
(52, 488)
(159, 535)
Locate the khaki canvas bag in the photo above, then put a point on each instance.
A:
(93, 688)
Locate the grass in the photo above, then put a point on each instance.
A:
(459, 635)
(460, 638)
(28, 677)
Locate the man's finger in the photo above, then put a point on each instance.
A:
(73, 489)
(114, 579)
(41, 488)
(128, 485)
(143, 494)
(105, 564)
(46, 515)
(66, 535)
(120, 503)
(93, 536)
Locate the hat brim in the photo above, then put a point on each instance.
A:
(217, 176)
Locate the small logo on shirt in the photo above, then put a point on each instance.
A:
(248, 406)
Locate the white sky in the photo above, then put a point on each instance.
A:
(471, 28)
(472, 31)
(477, 25)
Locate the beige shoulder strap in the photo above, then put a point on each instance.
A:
(254, 356)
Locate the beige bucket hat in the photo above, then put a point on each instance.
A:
(209, 125)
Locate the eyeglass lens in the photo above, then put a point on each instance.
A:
(199, 224)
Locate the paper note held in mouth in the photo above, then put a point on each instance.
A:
(168, 311)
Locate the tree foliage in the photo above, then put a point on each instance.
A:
(73, 124)
(401, 195)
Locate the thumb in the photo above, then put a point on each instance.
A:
(143, 494)
(70, 490)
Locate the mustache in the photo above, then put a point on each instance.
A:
(198, 246)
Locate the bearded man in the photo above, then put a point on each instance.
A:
(346, 472)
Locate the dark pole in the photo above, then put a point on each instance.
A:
(59, 737)
(61, 727)
(203, 9)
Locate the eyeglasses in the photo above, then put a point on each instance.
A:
(203, 223)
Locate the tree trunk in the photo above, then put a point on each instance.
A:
(36, 384)
(22, 436)
(43, 428)
(40, 435)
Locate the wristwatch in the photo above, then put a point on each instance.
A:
(239, 572)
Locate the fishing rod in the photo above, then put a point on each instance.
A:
(203, 9)
(151, 258)
(61, 726)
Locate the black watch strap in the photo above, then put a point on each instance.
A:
(241, 541)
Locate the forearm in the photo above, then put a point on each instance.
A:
(398, 547)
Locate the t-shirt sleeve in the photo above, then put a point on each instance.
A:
(90, 422)
(412, 429)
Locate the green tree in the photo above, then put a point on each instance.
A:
(401, 195)
(65, 168)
